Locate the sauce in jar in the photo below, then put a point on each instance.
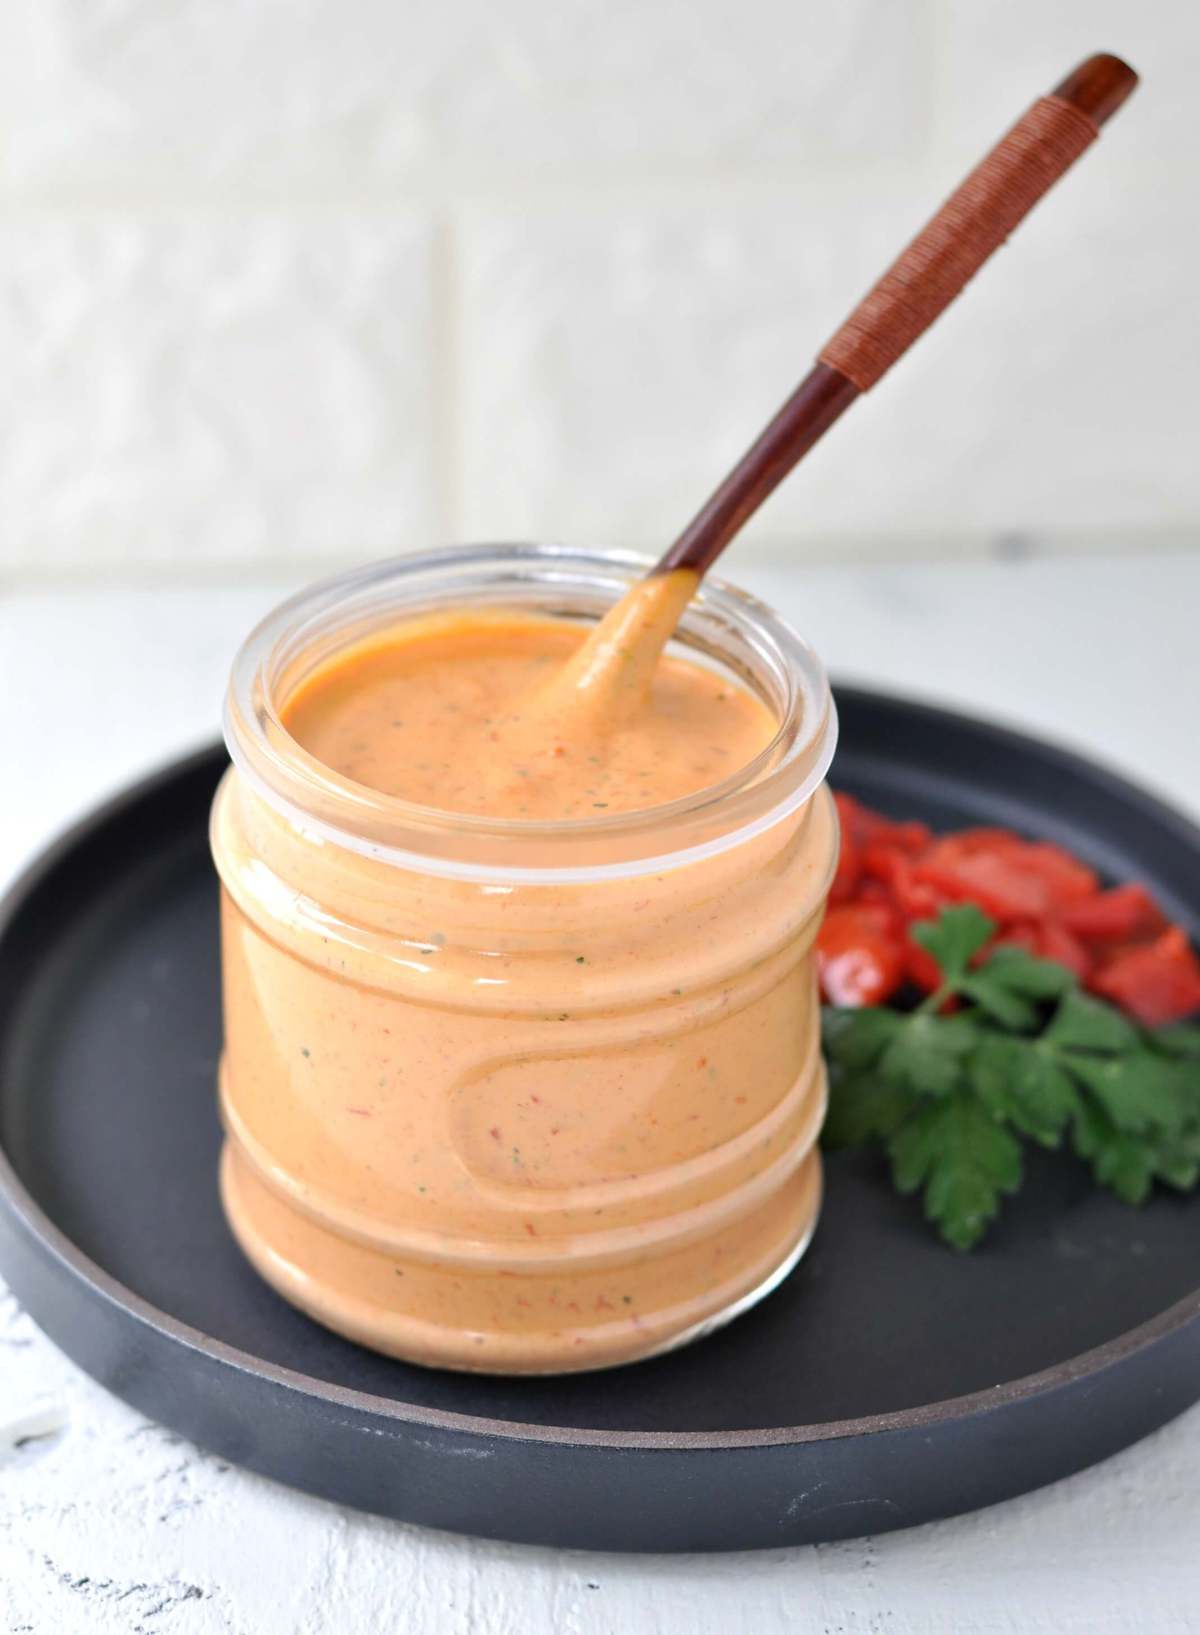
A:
(437, 711)
(522, 1062)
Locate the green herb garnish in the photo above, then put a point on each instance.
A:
(1025, 1056)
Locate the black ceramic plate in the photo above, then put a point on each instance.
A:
(889, 1381)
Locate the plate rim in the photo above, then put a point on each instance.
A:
(101, 1286)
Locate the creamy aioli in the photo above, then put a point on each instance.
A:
(469, 715)
(529, 1128)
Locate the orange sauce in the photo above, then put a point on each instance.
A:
(531, 1127)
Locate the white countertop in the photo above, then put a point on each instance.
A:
(110, 1524)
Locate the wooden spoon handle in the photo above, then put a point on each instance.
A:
(973, 222)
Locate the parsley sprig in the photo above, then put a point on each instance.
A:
(1026, 1055)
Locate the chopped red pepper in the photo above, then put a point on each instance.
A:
(866, 827)
(1124, 914)
(849, 869)
(917, 899)
(979, 838)
(874, 891)
(920, 967)
(911, 838)
(1157, 983)
(1010, 878)
(892, 875)
(1058, 942)
(859, 955)
(857, 821)
(994, 881)
(1065, 878)
(1018, 936)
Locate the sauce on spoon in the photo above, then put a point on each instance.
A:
(522, 717)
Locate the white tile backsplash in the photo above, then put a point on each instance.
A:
(319, 280)
(617, 358)
(247, 90)
(187, 391)
(614, 363)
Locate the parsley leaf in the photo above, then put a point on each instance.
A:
(1011, 1010)
(1083, 1023)
(954, 938)
(1139, 1090)
(1019, 1081)
(1120, 1161)
(1010, 983)
(857, 1038)
(1179, 1041)
(1025, 1055)
(862, 1107)
(1023, 973)
(962, 1158)
(861, 1103)
(1178, 1162)
(926, 1052)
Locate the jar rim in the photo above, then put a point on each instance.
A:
(778, 781)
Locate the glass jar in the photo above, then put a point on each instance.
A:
(510, 1095)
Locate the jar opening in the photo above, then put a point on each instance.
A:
(723, 628)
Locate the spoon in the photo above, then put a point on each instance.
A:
(609, 675)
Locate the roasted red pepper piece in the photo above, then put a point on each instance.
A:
(1044, 899)
(910, 838)
(986, 877)
(849, 869)
(866, 827)
(1157, 983)
(1010, 878)
(857, 821)
(1058, 942)
(1065, 878)
(874, 891)
(915, 898)
(964, 842)
(1124, 914)
(860, 955)
(1018, 936)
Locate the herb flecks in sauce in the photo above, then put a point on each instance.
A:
(438, 713)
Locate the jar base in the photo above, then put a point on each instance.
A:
(293, 1255)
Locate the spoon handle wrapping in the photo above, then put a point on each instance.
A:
(950, 249)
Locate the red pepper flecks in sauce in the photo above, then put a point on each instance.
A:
(578, 1121)
(429, 712)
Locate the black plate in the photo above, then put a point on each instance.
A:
(888, 1382)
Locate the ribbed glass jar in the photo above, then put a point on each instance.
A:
(508, 1095)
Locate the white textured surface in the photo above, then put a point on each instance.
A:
(111, 1525)
(181, 391)
(216, 88)
(619, 357)
(302, 281)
